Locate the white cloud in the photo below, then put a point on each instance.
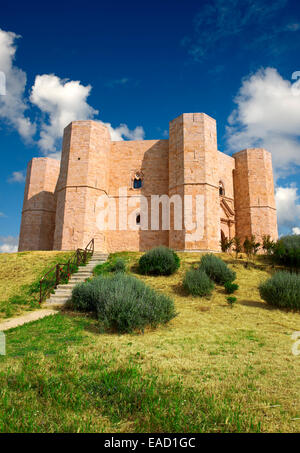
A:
(113, 83)
(268, 115)
(61, 101)
(122, 131)
(8, 244)
(296, 230)
(13, 104)
(288, 206)
(17, 176)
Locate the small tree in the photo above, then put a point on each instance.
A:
(247, 247)
(268, 244)
(254, 245)
(226, 244)
(237, 246)
(251, 246)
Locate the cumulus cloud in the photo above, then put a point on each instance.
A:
(62, 101)
(268, 115)
(296, 230)
(8, 244)
(59, 101)
(122, 131)
(288, 206)
(13, 104)
(17, 176)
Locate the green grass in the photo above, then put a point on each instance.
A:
(211, 369)
(60, 388)
(19, 279)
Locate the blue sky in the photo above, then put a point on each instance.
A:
(141, 65)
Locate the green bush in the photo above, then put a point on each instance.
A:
(118, 265)
(101, 269)
(216, 269)
(123, 303)
(115, 265)
(231, 300)
(282, 290)
(230, 288)
(197, 282)
(159, 261)
(287, 250)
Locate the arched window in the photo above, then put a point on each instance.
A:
(221, 189)
(137, 180)
(137, 183)
(138, 219)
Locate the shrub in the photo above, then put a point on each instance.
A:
(159, 261)
(123, 303)
(282, 290)
(251, 246)
(237, 246)
(230, 287)
(268, 244)
(84, 296)
(102, 269)
(118, 265)
(231, 300)
(225, 244)
(197, 282)
(216, 269)
(287, 250)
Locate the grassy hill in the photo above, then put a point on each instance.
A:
(213, 368)
(19, 274)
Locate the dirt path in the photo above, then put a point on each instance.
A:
(20, 320)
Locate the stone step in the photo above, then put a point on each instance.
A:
(78, 274)
(60, 296)
(67, 285)
(55, 303)
(63, 292)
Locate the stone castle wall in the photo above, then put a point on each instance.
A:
(63, 200)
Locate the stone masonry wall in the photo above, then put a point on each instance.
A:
(62, 201)
(254, 194)
(39, 206)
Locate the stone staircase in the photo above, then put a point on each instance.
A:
(63, 292)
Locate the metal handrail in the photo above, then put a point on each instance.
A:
(80, 256)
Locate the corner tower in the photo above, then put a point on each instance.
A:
(39, 206)
(254, 194)
(193, 174)
(83, 178)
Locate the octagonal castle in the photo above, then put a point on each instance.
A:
(61, 202)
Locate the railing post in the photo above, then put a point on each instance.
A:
(57, 274)
(40, 291)
(84, 256)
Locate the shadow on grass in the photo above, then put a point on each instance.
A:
(253, 303)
